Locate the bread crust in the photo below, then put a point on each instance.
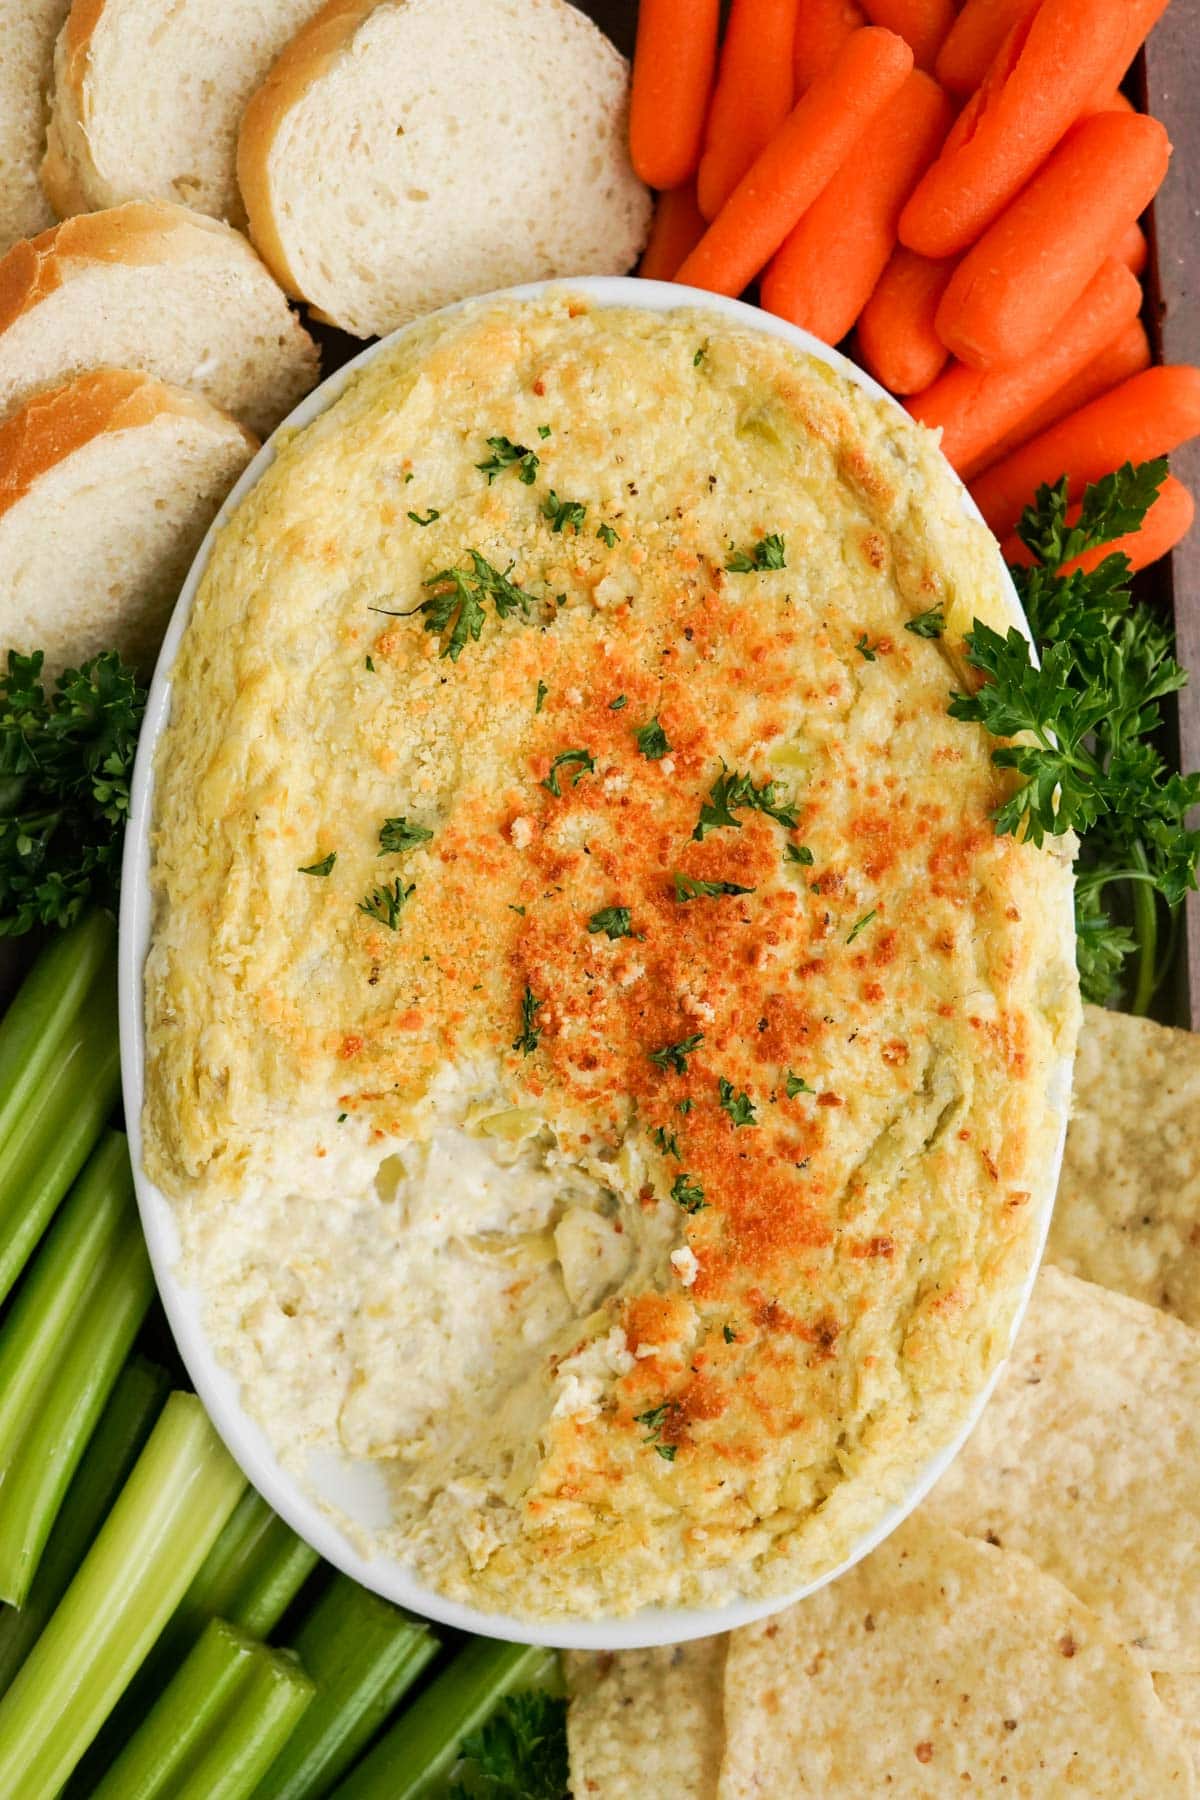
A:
(67, 157)
(304, 62)
(53, 425)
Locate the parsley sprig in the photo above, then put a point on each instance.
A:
(732, 792)
(385, 904)
(66, 757)
(507, 455)
(519, 1753)
(456, 610)
(1085, 725)
(769, 553)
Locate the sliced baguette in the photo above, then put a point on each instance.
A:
(148, 95)
(405, 154)
(154, 287)
(107, 485)
(28, 29)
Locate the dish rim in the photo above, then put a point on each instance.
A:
(216, 1387)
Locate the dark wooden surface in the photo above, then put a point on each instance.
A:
(1171, 89)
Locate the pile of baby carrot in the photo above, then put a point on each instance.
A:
(961, 187)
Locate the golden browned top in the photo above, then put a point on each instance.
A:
(833, 1067)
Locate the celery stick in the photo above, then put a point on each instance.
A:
(52, 1138)
(61, 1350)
(112, 1451)
(39, 1019)
(183, 1488)
(363, 1655)
(418, 1753)
(229, 1710)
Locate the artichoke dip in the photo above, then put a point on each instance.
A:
(600, 1052)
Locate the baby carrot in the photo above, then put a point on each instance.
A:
(1042, 78)
(1168, 521)
(897, 342)
(1141, 16)
(673, 64)
(973, 40)
(976, 410)
(922, 24)
(1132, 249)
(1108, 100)
(822, 27)
(800, 160)
(753, 95)
(825, 272)
(1128, 354)
(678, 226)
(1011, 289)
(1147, 416)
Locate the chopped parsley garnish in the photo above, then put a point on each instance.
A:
(507, 455)
(387, 903)
(796, 1084)
(562, 513)
(459, 598)
(700, 355)
(397, 835)
(543, 431)
(530, 1034)
(542, 691)
(685, 1107)
(583, 763)
(324, 867)
(731, 791)
(370, 663)
(430, 516)
(729, 1334)
(688, 1193)
(652, 741)
(674, 1056)
(519, 910)
(617, 704)
(613, 921)
(667, 1142)
(519, 1753)
(861, 924)
(690, 887)
(798, 853)
(342, 1117)
(864, 649)
(768, 553)
(740, 1107)
(654, 1420)
(607, 533)
(1089, 721)
(929, 624)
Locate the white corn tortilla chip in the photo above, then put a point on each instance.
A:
(1128, 1209)
(646, 1724)
(939, 1667)
(1180, 1694)
(1087, 1459)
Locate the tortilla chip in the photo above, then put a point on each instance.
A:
(646, 1724)
(1128, 1210)
(1087, 1459)
(936, 1667)
(1180, 1694)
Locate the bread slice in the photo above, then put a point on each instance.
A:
(28, 29)
(152, 286)
(405, 154)
(148, 95)
(107, 485)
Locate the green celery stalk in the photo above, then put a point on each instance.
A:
(183, 1488)
(416, 1756)
(249, 1578)
(111, 1452)
(223, 1719)
(49, 1141)
(39, 1019)
(363, 1655)
(61, 1349)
